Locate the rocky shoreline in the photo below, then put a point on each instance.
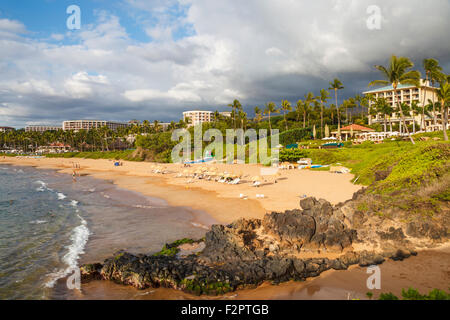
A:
(294, 245)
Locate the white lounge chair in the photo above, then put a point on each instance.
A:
(256, 184)
(235, 181)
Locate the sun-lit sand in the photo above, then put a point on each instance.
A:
(222, 201)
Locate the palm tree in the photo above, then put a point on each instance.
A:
(285, 106)
(146, 126)
(242, 117)
(309, 99)
(271, 107)
(258, 115)
(336, 85)
(432, 73)
(398, 72)
(383, 107)
(324, 96)
(182, 124)
(349, 104)
(156, 126)
(236, 107)
(443, 95)
(299, 109)
(415, 110)
(332, 110)
(172, 126)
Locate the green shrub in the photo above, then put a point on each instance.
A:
(387, 296)
(413, 294)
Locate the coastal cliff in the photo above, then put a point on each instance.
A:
(293, 245)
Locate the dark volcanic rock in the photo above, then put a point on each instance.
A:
(422, 229)
(292, 227)
(393, 234)
(249, 252)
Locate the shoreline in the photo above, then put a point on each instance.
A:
(220, 201)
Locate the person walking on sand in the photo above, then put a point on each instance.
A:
(74, 176)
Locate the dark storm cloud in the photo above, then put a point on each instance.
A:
(256, 51)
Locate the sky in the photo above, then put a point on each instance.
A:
(154, 59)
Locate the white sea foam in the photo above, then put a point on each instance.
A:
(79, 237)
(199, 225)
(74, 203)
(61, 196)
(43, 186)
(42, 183)
(38, 221)
(142, 206)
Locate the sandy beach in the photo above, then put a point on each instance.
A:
(222, 201)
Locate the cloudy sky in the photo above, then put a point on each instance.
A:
(153, 59)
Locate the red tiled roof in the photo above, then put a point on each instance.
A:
(356, 127)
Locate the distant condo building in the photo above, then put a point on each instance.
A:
(197, 117)
(407, 94)
(41, 128)
(134, 123)
(6, 129)
(77, 125)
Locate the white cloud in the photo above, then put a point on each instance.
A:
(33, 86)
(57, 36)
(254, 50)
(182, 92)
(273, 51)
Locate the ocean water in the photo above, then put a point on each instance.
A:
(49, 225)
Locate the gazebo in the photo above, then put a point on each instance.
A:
(350, 131)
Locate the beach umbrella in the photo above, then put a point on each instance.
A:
(314, 131)
(327, 131)
(351, 131)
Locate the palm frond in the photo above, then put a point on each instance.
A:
(378, 82)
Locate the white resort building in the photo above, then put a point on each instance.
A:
(6, 129)
(407, 94)
(77, 125)
(42, 128)
(197, 117)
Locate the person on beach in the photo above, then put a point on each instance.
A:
(74, 176)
